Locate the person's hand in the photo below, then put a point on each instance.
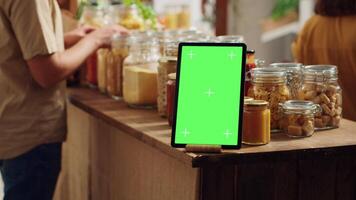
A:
(102, 37)
(74, 36)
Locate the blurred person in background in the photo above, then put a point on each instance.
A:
(35, 60)
(329, 37)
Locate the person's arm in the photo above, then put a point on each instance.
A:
(73, 37)
(51, 69)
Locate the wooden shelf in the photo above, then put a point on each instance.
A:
(280, 32)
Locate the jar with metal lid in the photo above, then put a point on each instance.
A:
(171, 97)
(298, 117)
(102, 63)
(320, 85)
(231, 39)
(256, 123)
(167, 65)
(140, 73)
(270, 84)
(294, 76)
(115, 59)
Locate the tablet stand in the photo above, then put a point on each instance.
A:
(203, 148)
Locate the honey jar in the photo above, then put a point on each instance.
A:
(256, 123)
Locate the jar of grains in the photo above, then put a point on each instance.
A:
(270, 84)
(140, 73)
(321, 87)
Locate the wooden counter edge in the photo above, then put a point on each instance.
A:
(179, 154)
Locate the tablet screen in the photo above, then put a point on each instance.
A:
(210, 82)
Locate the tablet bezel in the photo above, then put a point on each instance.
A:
(240, 122)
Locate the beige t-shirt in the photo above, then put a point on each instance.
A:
(29, 114)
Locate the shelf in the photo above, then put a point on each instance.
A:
(280, 32)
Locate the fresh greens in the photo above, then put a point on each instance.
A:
(282, 8)
(146, 11)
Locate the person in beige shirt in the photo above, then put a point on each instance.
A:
(33, 66)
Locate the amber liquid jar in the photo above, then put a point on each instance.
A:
(91, 70)
(256, 123)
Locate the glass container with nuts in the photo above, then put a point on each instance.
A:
(298, 117)
(320, 86)
(269, 84)
(294, 76)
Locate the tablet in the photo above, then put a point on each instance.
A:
(209, 95)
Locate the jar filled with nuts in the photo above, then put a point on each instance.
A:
(270, 84)
(298, 117)
(320, 86)
(294, 76)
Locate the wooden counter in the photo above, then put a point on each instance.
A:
(118, 146)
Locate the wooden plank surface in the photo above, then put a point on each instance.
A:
(148, 127)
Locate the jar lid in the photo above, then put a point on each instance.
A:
(268, 75)
(168, 59)
(256, 103)
(172, 76)
(290, 67)
(320, 72)
(300, 106)
(246, 99)
(231, 39)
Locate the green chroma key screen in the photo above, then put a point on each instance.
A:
(210, 81)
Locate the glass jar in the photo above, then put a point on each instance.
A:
(298, 117)
(250, 64)
(171, 97)
(171, 48)
(140, 74)
(91, 70)
(294, 76)
(184, 17)
(256, 123)
(231, 39)
(167, 65)
(102, 61)
(321, 87)
(270, 84)
(130, 18)
(115, 61)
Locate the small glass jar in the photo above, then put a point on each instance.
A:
(250, 64)
(171, 97)
(102, 61)
(91, 71)
(167, 65)
(256, 123)
(231, 39)
(130, 18)
(270, 84)
(298, 117)
(171, 48)
(115, 61)
(140, 74)
(321, 87)
(294, 76)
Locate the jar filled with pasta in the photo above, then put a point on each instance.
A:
(298, 117)
(140, 73)
(270, 84)
(294, 76)
(320, 85)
